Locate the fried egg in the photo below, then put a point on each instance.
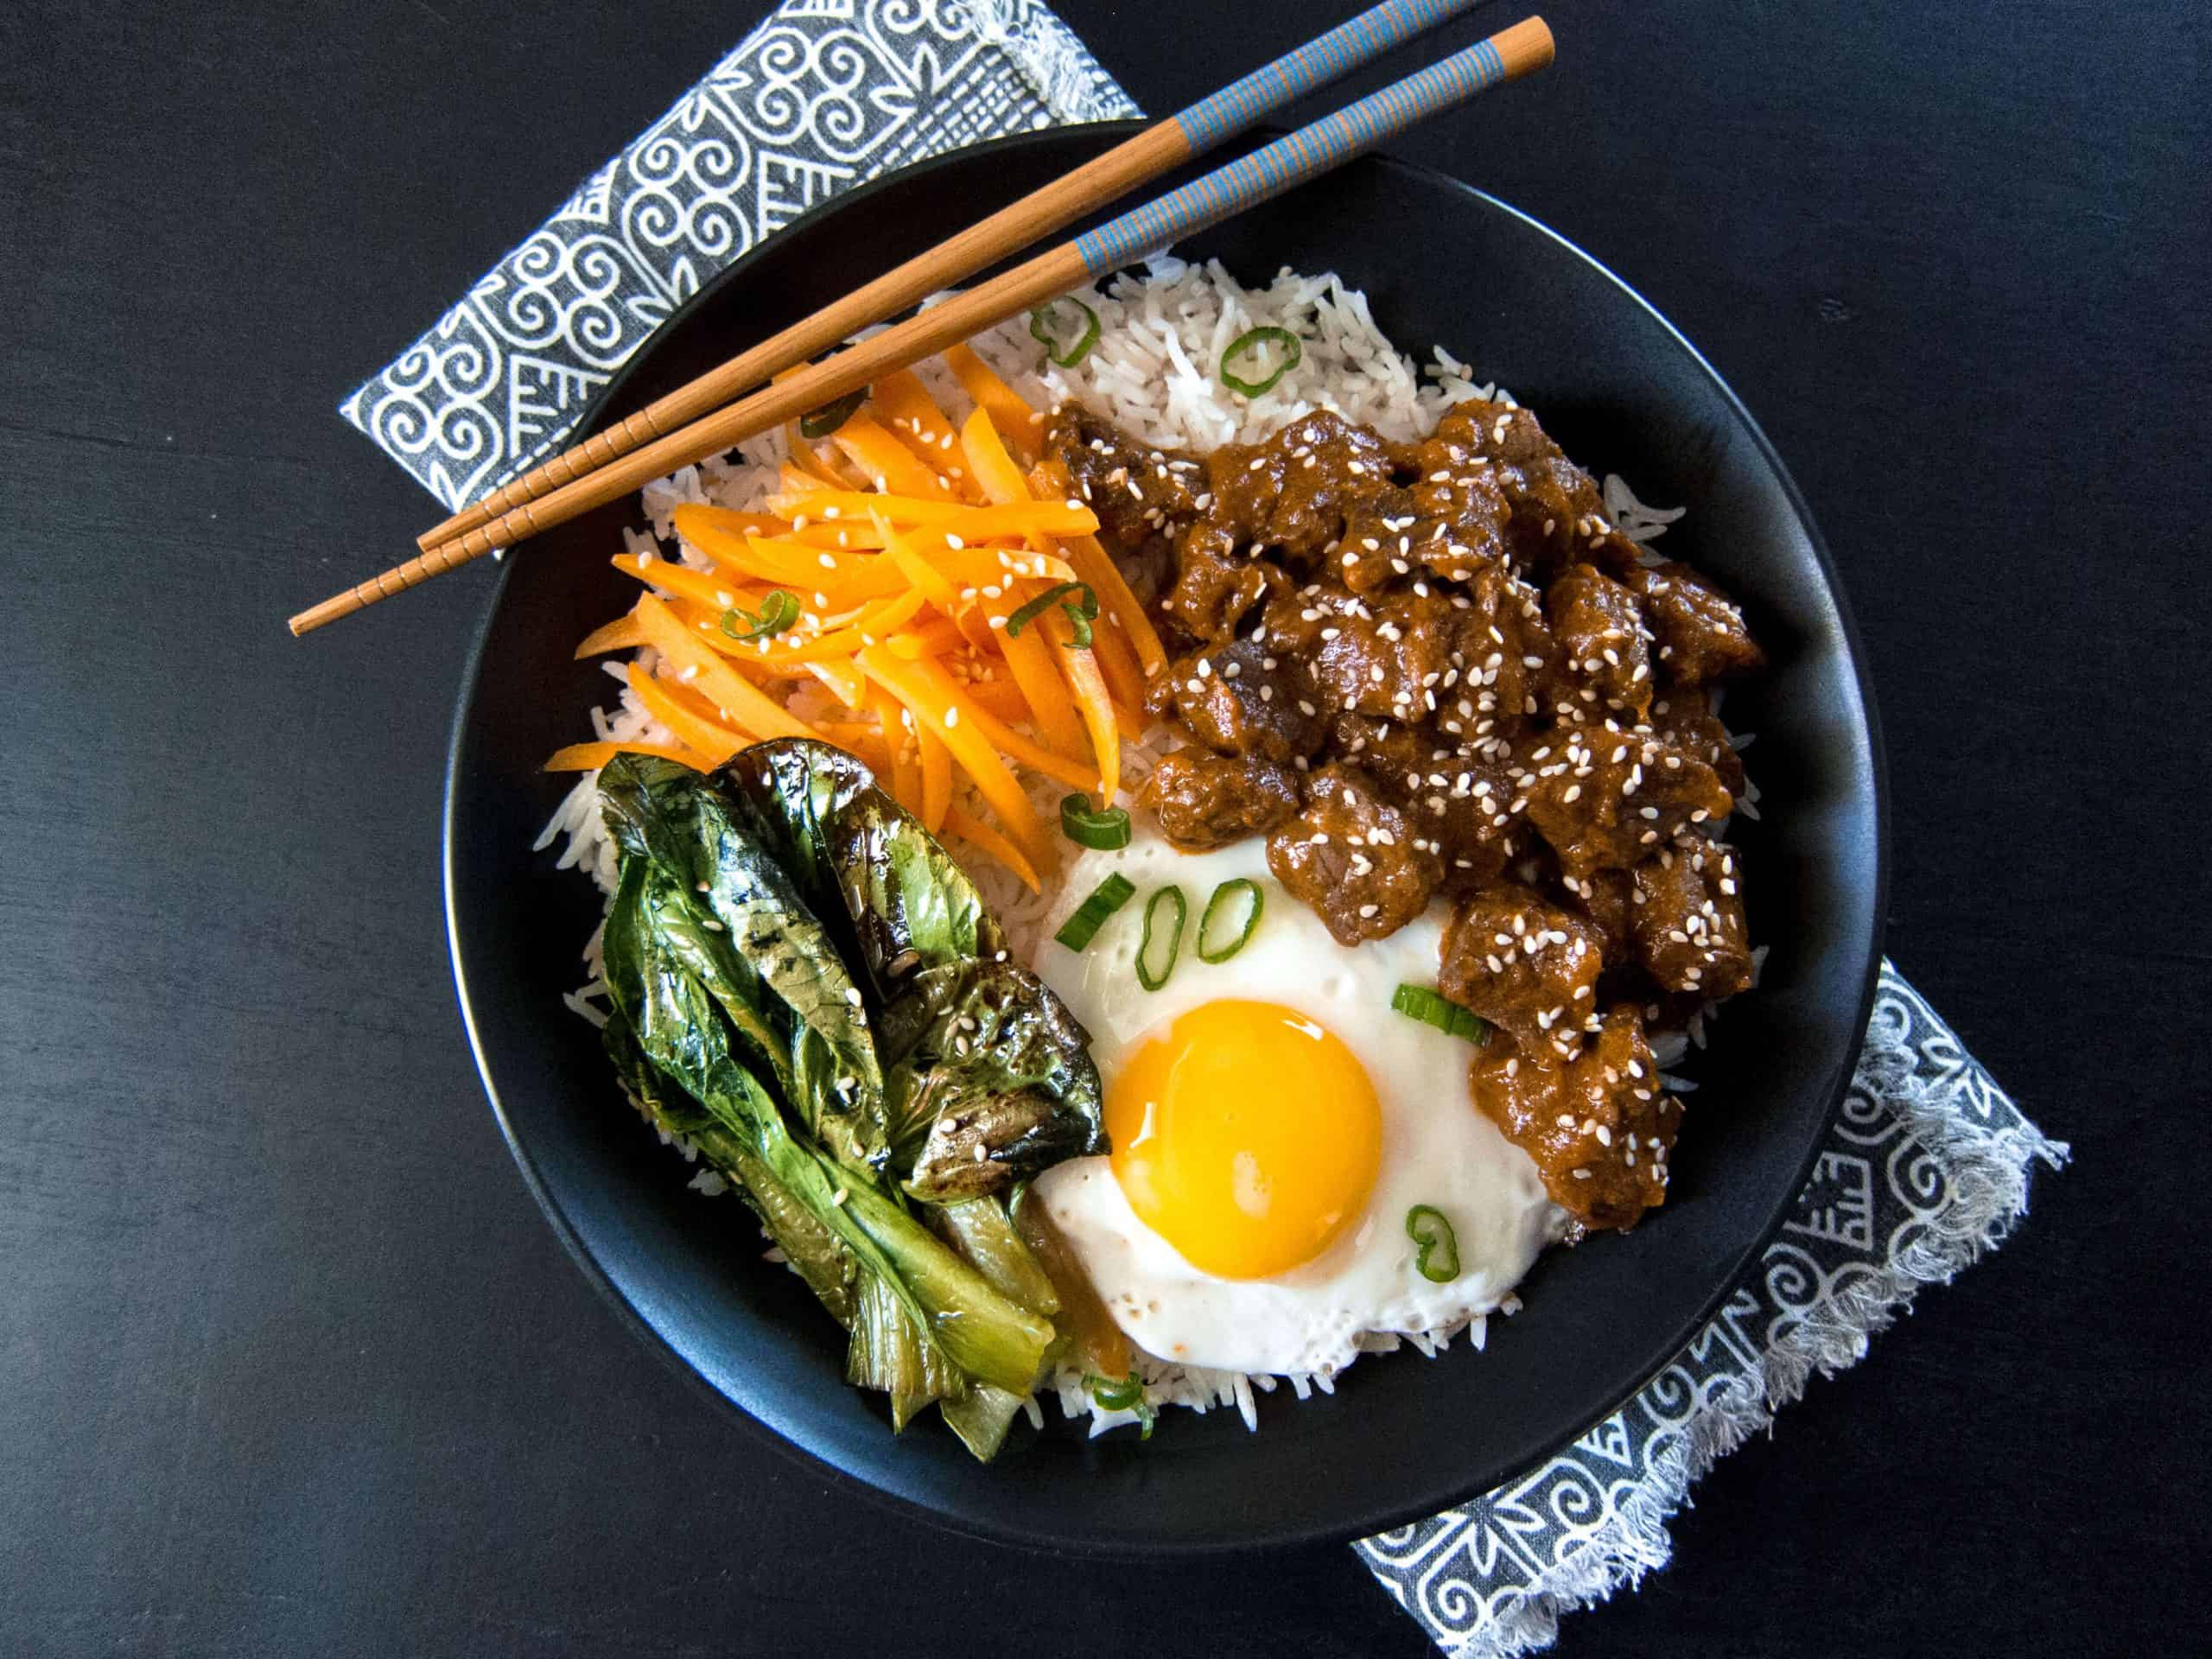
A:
(1273, 1122)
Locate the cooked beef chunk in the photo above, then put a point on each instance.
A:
(1133, 488)
(1244, 699)
(1558, 513)
(1605, 896)
(1386, 659)
(1503, 651)
(1361, 864)
(1689, 920)
(1524, 964)
(1604, 798)
(1598, 1127)
(1456, 795)
(1604, 653)
(1701, 633)
(1215, 586)
(1683, 718)
(1203, 800)
(1296, 491)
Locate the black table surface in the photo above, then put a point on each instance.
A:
(289, 1363)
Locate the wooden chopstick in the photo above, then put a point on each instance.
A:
(1305, 154)
(1181, 138)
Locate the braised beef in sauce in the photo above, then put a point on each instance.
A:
(1438, 668)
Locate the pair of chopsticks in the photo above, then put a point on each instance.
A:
(699, 419)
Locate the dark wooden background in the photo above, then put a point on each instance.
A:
(289, 1363)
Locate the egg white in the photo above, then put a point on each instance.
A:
(1437, 1147)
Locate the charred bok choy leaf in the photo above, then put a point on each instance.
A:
(803, 987)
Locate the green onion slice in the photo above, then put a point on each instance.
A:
(1419, 1002)
(1438, 1256)
(1225, 895)
(1250, 341)
(1101, 831)
(1090, 915)
(1081, 609)
(1041, 331)
(820, 423)
(777, 612)
(1145, 978)
(1124, 1394)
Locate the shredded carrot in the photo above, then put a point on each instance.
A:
(1117, 661)
(1022, 427)
(695, 664)
(937, 777)
(1096, 706)
(590, 757)
(970, 522)
(694, 729)
(842, 678)
(905, 407)
(1030, 661)
(930, 693)
(904, 779)
(698, 586)
(906, 551)
(991, 841)
(623, 634)
(893, 469)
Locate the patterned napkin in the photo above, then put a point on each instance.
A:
(1928, 1166)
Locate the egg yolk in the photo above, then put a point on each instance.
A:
(1244, 1134)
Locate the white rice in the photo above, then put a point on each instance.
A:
(1153, 372)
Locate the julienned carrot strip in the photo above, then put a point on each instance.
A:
(937, 777)
(847, 682)
(999, 697)
(996, 472)
(767, 523)
(715, 743)
(980, 567)
(902, 405)
(1096, 566)
(925, 577)
(696, 664)
(589, 757)
(905, 778)
(1096, 706)
(785, 652)
(1082, 550)
(1029, 659)
(783, 561)
(1022, 427)
(928, 691)
(701, 586)
(1118, 663)
(971, 523)
(890, 465)
(623, 634)
(1002, 737)
(975, 829)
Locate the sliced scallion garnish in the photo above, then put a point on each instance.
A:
(1145, 978)
(1224, 895)
(1420, 1003)
(1081, 609)
(1249, 342)
(777, 612)
(1041, 330)
(1090, 915)
(1125, 1395)
(1437, 1259)
(1101, 831)
(820, 423)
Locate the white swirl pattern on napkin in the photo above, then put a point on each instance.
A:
(824, 95)
(1927, 1166)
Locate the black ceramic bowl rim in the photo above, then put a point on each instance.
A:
(1274, 1533)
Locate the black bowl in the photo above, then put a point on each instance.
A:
(1402, 1437)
